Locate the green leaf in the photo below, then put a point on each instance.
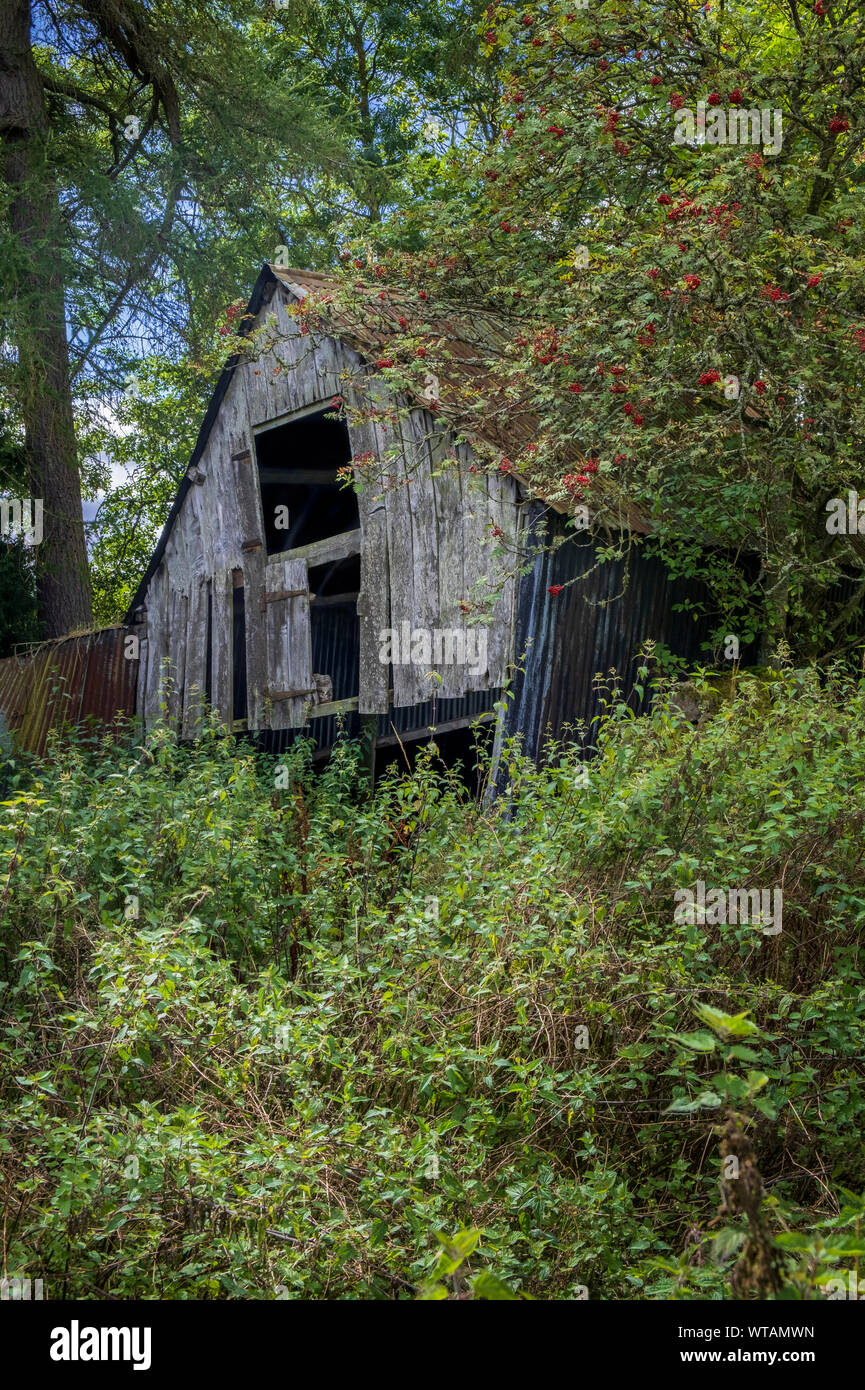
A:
(706, 1100)
(735, 1025)
(697, 1042)
(489, 1286)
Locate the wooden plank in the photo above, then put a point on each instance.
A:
(284, 377)
(391, 740)
(292, 384)
(176, 667)
(333, 600)
(292, 694)
(448, 495)
(327, 365)
(416, 430)
(373, 601)
(248, 520)
(141, 689)
(222, 636)
(334, 707)
(321, 552)
(289, 648)
(255, 571)
(196, 656)
(373, 607)
(400, 551)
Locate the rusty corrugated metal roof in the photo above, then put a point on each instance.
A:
(471, 339)
(67, 681)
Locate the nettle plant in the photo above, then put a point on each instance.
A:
(307, 1039)
(753, 1251)
(683, 322)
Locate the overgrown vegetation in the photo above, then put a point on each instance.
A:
(263, 1042)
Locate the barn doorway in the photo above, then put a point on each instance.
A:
(310, 515)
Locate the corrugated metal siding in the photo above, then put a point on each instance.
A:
(67, 682)
(436, 712)
(595, 625)
(335, 638)
(324, 732)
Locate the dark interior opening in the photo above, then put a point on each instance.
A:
(458, 748)
(301, 500)
(339, 577)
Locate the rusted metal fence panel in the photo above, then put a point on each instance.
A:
(72, 680)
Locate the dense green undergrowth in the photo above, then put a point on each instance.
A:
(262, 1041)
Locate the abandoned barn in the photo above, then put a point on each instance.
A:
(293, 602)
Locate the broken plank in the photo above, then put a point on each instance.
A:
(322, 552)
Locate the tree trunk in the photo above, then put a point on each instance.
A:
(39, 327)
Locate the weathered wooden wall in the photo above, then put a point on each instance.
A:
(425, 547)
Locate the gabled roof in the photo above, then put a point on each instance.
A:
(472, 337)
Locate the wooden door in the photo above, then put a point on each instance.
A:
(290, 686)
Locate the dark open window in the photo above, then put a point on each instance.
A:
(339, 579)
(301, 499)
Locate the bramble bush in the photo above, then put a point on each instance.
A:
(328, 1042)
